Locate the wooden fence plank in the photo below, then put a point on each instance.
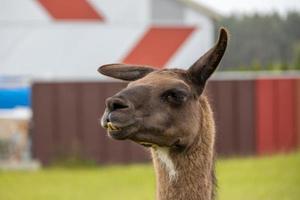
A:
(297, 102)
(43, 122)
(285, 126)
(245, 117)
(67, 120)
(92, 106)
(226, 113)
(265, 116)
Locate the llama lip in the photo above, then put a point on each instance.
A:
(115, 132)
(118, 132)
(146, 144)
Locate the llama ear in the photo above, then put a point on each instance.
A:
(202, 69)
(125, 72)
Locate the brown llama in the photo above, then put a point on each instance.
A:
(166, 110)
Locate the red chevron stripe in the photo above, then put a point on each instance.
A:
(158, 45)
(71, 10)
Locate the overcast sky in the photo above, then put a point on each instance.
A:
(252, 6)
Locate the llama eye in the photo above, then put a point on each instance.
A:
(175, 97)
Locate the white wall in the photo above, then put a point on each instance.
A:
(35, 45)
(63, 50)
(124, 11)
(22, 11)
(199, 42)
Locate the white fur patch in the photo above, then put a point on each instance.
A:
(163, 155)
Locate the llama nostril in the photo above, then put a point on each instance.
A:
(117, 104)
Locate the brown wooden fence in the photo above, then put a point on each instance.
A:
(232, 102)
(66, 124)
(66, 120)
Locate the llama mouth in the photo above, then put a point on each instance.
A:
(112, 127)
(118, 132)
(147, 144)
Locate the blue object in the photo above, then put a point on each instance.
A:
(14, 97)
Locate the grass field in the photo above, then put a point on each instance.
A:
(273, 178)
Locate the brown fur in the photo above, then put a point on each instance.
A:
(166, 110)
(195, 166)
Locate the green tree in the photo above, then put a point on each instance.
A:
(264, 39)
(296, 58)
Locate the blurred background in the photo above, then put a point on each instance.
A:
(51, 95)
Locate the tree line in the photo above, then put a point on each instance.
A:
(262, 42)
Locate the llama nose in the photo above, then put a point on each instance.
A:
(115, 103)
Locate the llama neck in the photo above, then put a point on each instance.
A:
(188, 174)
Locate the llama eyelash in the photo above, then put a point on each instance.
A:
(174, 97)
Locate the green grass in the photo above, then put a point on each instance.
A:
(274, 178)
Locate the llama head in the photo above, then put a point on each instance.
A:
(160, 107)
